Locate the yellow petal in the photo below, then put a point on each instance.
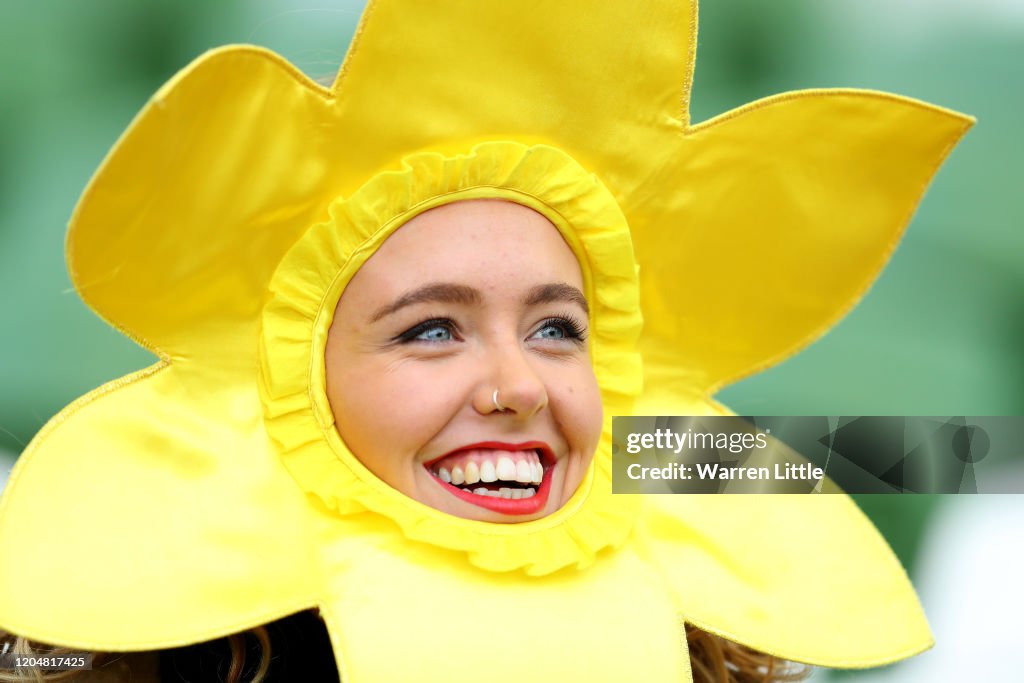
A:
(806, 578)
(179, 230)
(772, 223)
(604, 81)
(148, 514)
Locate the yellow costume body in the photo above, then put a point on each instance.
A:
(211, 492)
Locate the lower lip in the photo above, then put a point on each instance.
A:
(506, 506)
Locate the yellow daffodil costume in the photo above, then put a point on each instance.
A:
(210, 492)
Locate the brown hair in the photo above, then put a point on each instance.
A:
(716, 660)
(712, 660)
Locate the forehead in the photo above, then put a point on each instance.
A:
(481, 237)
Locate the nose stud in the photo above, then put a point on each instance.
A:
(497, 406)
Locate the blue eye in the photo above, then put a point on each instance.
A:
(434, 334)
(557, 329)
(551, 332)
(434, 331)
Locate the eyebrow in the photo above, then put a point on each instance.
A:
(556, 291)
(451, 293)
(435, 292)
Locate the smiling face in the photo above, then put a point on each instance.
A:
(464, 300)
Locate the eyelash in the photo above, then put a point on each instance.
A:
(573, 329)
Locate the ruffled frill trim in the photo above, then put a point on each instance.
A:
(308, 283)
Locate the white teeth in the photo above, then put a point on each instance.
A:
(506, 469)
(490, 469)
(472, 473)
(507, 493)
(487, 473)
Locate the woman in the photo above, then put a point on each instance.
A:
(249, 208)
(480, 352)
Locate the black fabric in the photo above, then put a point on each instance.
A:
(299, 646)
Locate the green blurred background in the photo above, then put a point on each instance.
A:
(941, 333)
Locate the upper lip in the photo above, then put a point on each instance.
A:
(547, 455)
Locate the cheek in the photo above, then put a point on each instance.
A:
(405, 403)
(580, 412)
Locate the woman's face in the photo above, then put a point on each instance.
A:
(462, 301)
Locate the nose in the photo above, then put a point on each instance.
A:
(511, 385)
